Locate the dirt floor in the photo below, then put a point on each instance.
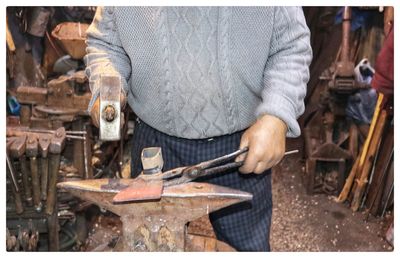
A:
(302, 222)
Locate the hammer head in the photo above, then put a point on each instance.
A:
(110, 107)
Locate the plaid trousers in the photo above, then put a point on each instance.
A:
(245, 226)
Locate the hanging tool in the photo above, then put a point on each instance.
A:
(32, 153)
(56, 146)
(19, 208)
(17, 150)
(149, 186)
(44, 143)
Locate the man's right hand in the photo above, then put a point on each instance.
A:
(95, 112)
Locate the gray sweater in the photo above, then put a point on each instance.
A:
(199, 72)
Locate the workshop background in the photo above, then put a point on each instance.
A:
(336, 194)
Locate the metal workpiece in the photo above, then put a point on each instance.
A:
(110, 107)
(156, 225)
(32, 151)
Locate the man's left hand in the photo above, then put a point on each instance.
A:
(266, 142)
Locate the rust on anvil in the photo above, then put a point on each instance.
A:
(156, 225)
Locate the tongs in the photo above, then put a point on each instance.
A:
(150, 187)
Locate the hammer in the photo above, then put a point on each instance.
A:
(110, 107)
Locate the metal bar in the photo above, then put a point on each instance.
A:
(78, 149)
(291, 152)
(379, 185)
(75, 137)
(75, 132)
(47, 131)
(87, 152)
(371, 176)
(387, 199)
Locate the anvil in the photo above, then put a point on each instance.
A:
(156, 225)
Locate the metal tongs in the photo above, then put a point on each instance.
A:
(206, 168)
(150, 187)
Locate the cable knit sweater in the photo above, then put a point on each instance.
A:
(200, 72)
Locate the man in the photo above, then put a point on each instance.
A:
(205, 81)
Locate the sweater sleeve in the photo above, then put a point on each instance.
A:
(286, 72)
(105, 54)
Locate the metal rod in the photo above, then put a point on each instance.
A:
(85, 157)
(25, 181)
(75, 132)
(75, 137)
(371, 176)
(387, 199)
(291, 152)
(379, 185)
(78, 149)
(50, 131)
